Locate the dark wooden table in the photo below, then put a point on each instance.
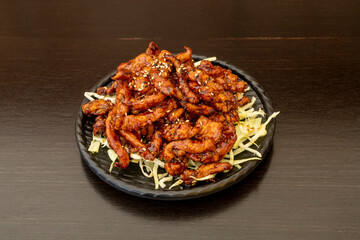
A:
(306, 55)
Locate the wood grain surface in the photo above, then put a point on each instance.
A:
(304, 53)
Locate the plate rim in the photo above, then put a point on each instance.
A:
(193, 192)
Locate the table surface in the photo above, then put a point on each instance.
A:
(304, 53)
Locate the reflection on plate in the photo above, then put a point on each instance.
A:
(132, 181)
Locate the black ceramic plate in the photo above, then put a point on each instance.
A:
(132, 181)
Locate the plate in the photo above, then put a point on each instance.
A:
(132, 181)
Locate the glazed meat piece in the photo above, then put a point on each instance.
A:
(97, 107)
(233, 82)
(122, 74)
(185, 56)
(175, 114)
(164, 85)
(136, 143)
(124, 96)
(222, 148)
(179, 131)
(181, 147)
(184, 88)
(153, 49)
(123, 93)
(176, 167)
(147, 132)
(138, 63)
(115, 144)
(224, 77)
(140, 84)
(204, 170)
(243, 101)
(198, 109)
(221, 106)
(155, 145)
(147, 102)
(210, 69)
(208, 129)
(99, 126)
(182, 62)
(108, 90)
(136, 122)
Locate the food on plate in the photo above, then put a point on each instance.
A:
(165, 111)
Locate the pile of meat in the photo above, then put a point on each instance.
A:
(169, 109)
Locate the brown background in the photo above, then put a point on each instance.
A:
(304, 53)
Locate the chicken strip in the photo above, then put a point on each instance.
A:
(99, 126)
(176, 167)
(147, 102)
(136, 143)
(198, 109)
(223, 147)
(115, 144)
(204, 170)
(224, 77)
(208, 129)
(155, 145)
(179, 131)
(182, 147)
(136, 122)
(97, 107)
(185, 56)
(175, 114)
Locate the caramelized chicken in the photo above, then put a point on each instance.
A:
(182, 147)
(179, 131)
(97, 107)
(114, 142)
(189, 175)
(208, 129)
(99, 126)
(175, 114)
(167, 108)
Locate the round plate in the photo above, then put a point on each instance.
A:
(132, 181)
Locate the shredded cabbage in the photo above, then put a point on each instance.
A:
(94, 146)
(165, 179)
(156, 177)
(113, 156)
